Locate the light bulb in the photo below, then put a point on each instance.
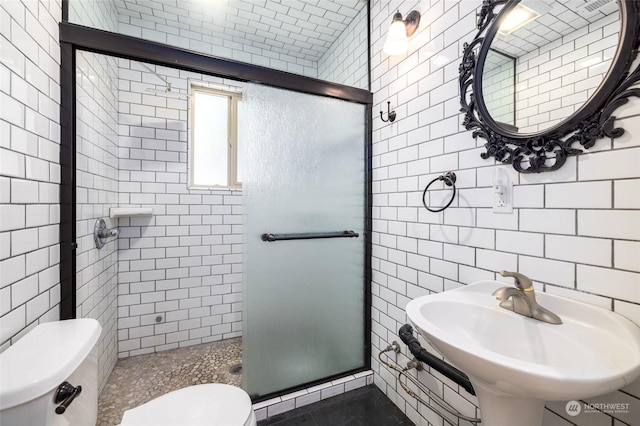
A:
(396, 42)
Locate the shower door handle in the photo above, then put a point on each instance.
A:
(309, 236)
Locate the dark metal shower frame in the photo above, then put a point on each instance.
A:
(76, 37)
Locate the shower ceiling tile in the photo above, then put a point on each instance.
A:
(298, 28)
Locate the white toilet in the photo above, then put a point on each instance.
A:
(33, 369)
(211, 404)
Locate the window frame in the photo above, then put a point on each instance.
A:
(233, 98)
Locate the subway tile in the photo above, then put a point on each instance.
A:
(461, 255)
(626, 194)
(557, 221)
(24, 290)
(618, 284)
(38, 260)
(458, 216)
(24, 191)
(618, 164)
(618, 224)
(442, 233)
(37, 169)
(531, 196)
(5, 245)
(24, 240)
(631, 312)
(12, 270)
(626, 255)
(495, 261)
(520, 242)
(477, 237)
(12, 323)
(13, 217)
(470, 275)
(474, 197)
(578, 195)
(444, 269)
(486, 218)
(593, 251)
(12, 163)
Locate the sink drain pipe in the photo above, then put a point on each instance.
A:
(406, 335)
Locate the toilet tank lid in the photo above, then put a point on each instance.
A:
(43, 358)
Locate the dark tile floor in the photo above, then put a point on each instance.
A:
(366, 406)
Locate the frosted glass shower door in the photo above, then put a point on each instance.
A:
(303, 298)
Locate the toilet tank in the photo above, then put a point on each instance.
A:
(32, 369)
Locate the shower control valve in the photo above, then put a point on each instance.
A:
(101, 233)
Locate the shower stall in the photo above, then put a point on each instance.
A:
(282, 262)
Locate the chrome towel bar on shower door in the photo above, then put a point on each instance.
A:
(309, 235)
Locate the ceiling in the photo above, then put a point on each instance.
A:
(304, 29)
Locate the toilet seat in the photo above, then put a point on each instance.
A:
(211, 404)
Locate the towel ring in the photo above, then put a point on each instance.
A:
(449, 179)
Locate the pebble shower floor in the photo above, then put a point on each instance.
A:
(141, 378)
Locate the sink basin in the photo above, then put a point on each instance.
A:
(515, 363)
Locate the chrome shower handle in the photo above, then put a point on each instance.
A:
(101, 233)
(113, 232)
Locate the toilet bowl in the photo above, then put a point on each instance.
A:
(211, 404)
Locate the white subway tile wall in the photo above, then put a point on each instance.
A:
(575, 232)
(346, 61)
(29, 166)
(180, 270)
(97, 183)
(96, 192)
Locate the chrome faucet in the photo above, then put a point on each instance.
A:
(521, 299)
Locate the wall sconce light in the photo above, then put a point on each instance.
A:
(399, 31)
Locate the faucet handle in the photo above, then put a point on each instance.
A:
(521, 281)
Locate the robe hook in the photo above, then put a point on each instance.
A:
(390, 114)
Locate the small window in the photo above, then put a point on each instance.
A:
(213, 138)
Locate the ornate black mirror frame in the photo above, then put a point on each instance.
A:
(548, 150)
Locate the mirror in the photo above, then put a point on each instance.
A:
(544, 88)
(499, 88)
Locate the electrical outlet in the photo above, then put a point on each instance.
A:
(503, 197)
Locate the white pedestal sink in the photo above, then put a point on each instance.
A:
(516, 363)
